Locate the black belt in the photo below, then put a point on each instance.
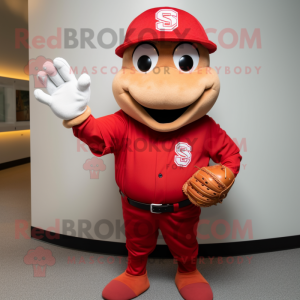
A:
(157, 208)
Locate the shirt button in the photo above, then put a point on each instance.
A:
(160, 175)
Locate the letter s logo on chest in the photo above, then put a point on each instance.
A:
(183, 154)
(167, 19)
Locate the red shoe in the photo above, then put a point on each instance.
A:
(126, 287)
(193, 286)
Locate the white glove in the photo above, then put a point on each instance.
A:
(68, 96)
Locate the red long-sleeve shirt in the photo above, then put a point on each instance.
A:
(152, 166)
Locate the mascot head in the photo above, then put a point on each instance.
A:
(165, 81)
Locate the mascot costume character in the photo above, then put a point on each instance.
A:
(165, 90)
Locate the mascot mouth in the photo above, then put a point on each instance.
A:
(165, 115)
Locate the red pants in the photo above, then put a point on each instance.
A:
(179, 230)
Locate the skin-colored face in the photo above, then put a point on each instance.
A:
(174, 92)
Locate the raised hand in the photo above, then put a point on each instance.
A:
(68, 97)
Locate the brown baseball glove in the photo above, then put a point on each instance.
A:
(209, 185)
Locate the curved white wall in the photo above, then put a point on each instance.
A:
(259, 109)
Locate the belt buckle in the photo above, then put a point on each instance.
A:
(151, 208)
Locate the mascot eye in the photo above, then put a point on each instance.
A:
(186, 57)
(145, 57)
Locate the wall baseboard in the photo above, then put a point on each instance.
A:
(162, 251)
(14, 163)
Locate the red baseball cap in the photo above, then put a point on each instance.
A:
(165, 24)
